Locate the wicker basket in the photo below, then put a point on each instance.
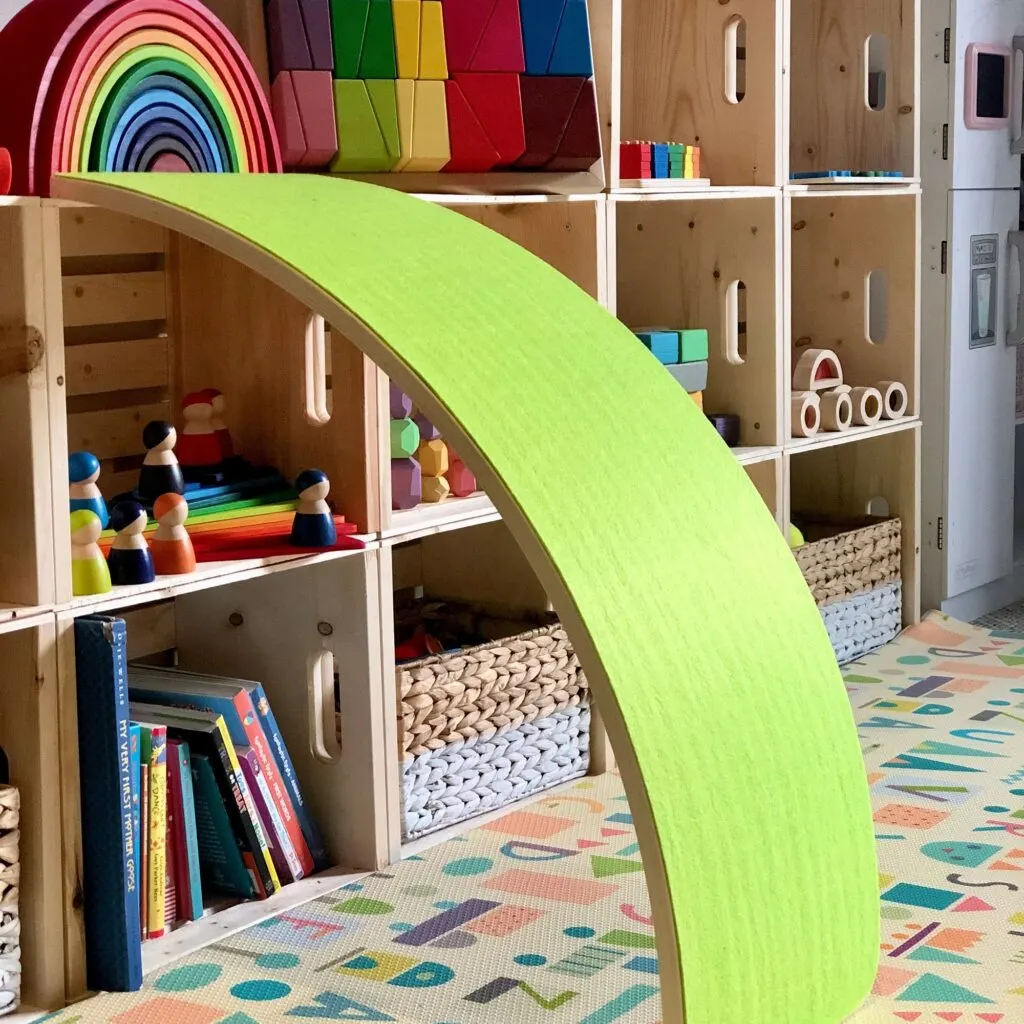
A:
(843, 557)
(860, 624)
(487, 725)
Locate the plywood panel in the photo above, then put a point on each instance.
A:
(87, 231)
(113, 433)
(114, 298)
(116, 366)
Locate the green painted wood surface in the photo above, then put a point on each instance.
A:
(719, 663)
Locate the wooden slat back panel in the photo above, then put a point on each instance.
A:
(118, 351)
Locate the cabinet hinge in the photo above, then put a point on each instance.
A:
(945, 47)
(939, 538)
(942, 258)
(945, 142)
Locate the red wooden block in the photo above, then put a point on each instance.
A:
(462, 481)
(548, 105)
(314, 94)
(464, 24)
(497, 102)
(501, 46)
(581, 143)
(634, 160)
(285, 106)
(5, 172)
(472, 150)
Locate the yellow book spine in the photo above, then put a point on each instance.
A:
(157, 836)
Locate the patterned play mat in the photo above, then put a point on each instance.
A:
(544, 916)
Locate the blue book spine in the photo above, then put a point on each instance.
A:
(111, 884)
(279, 749)
(188, 806)
(135, 748)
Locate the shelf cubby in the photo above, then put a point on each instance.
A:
(706, 74)
(767, 477)
(854, 287)
(853, 84)
(710, 263)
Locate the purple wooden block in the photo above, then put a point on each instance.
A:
(401, 403)
(289, 50)
(317, 15)
(406, 483)
(428, 432)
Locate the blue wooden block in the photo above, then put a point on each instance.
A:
(664, 345)
(571, 54)
(540, 20)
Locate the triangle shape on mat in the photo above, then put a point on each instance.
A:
(1004, 865)
(605, 867)
(1015, 854)
(949, 1015)
(910, 1015)
(609, 832)
(939, 956)
(953, 750)
(930, 988)
(925, 764)
(992, 1018)
(1016, 992)
(587, 844)
(972, 903)
(1013, 660)
(239, 1018)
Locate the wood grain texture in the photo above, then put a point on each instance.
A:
(545, 396)
(673, 85)
(86, 231)
(116, 366)
(113, 433)
(831, 125)
(114, 298)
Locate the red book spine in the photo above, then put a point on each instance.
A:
(177, 854)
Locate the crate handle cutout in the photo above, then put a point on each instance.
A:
(876, 74)
(876, 306)
(877, 506)
(323, 734)
(735, 59)
(1017, 97)
(316, 371)
(1015, 289)
(734, 327)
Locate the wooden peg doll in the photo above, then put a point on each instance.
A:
(89, 572)
(129, 560)
(313, 526)
(171, 545)
(198, 444)
(83, 472)
(160, 472)
(220, 428)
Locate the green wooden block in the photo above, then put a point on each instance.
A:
(348, 29)
(405, 439)
(385, 108)
(378, 60)
(693, 346)
(363, 143)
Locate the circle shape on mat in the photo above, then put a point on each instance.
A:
(999, 703)
(1017, 689)
(277, 961)
(1017, 792)
(401, 926)
(419, 890)
(445, 905)
(996, 809)
(363, 907)
(530, 960)
(188, 978)
(468, 866)
(580, 932)
(260, 990)
(913, 659)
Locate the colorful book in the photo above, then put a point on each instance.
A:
(135, 747)
(206, 732)
(144, 854)
(233, 702)
(188, 878)
(154, 753)
(226, 866)
(281, 850)
(110, 889)
(265, 714)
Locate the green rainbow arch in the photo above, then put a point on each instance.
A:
(705, 651)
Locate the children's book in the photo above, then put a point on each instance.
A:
(135, 748)
(154, 753)
(281, 850)
(144, 854)
(206, 732)
(278, 748)
(227, 866)
(112, 930)
(188, 879)
(231, 700)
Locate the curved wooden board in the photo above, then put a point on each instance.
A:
(706, 654)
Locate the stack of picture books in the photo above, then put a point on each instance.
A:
(188, 796)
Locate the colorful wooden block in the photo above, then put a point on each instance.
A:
(405, 438)
(422, 125)
(406, 15)
(698, 397)
(400, 403)
(692, 376)
(286, 37)
(314, 94)
(287, 121)
(433, 457)
(472, 150)
(428, 432)
(483, 35)
(496, 100)
(367, 125)
(540, 20)
(580, 145)
(693, 346)
(317, 17)
(548, 105)
(348, 24)
(406, 483)
(378, 55)
(635, 160)
(663, 345)
(462, 481)
(433, 63)
(435, 488)
(571, 54)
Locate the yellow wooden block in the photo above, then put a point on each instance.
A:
(406, 14)
(698, 397)
(433, 457)
(405, 97)
(688, 163)
(433, 62)
(431, 149)
(435, 488)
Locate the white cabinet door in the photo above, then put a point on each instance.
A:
(982, 388)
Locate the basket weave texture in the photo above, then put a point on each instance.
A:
(850, 560)
(474, 693)
(864, 622)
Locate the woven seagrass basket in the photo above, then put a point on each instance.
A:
(846, 556)
(487, 725)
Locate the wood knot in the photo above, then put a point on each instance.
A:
(21, 349)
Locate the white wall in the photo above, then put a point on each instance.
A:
(9, 8)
